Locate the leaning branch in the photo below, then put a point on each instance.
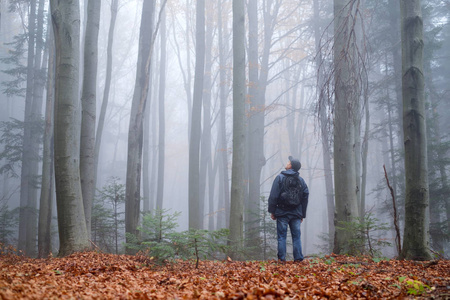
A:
(397, 229)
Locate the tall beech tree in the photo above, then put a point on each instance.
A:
(238, 175)
(346, 104)
(71, 221)
(88, 103)
(224, 190)
(195, 215)
(135, 130)
(415, 240)
(207, 175)
(47, 186)
(255, 136)
(161, 114)
(27, 191)
(107, 88)
(40, 61)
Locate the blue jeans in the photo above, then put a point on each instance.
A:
(294, 225)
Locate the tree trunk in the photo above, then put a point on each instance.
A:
(329, 193)
(106, 90)
(88, 103)
(153, 160)
(150, 156)
(238, 177)
(195, 215)
(149, 172)
(135, 131)
(162, 118)
(415, 240)
(46, 198)
(365, 151)
(35, 118)
(71, 221)
(255, 128)
(26, 177)
(436, 155)
(186, 72)
(206, 176)
(346, 96)
(224, 189)
(188, 77)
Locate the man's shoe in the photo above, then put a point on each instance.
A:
(281, 262)
(297, 261)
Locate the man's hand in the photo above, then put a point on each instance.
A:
(273, 216)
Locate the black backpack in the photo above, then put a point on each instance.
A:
(291, 192)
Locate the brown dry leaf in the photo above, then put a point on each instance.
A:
(93, 275)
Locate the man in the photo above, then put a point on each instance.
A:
(292, 214)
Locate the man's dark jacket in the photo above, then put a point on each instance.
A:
(275, 192)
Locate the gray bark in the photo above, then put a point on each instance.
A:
(161, 114)
(71, 221)
(257, 92)
(416, 231)
(255, 127)
(238, 176)
(153, 159)
(357, 118)
(346, 97)
(33, 108)
(106, 90)
(195, 215)
(88, 104)
(364, 153)
(46, 198)
(186, 71)
(224, 189)
(206, 176)
(437, 151)
(329, 192)
(26, 186)
(150, 171)
(40, 61)
(135, 130)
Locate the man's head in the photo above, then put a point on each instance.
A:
(293, 164)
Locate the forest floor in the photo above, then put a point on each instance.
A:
(92, 275)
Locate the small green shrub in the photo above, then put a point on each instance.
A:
(159, 239)
(414, 287)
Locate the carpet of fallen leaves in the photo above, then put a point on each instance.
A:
(92, 275)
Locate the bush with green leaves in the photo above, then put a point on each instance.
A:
(159, 240)
(367, 235)
(155, 234)
(201, 244)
